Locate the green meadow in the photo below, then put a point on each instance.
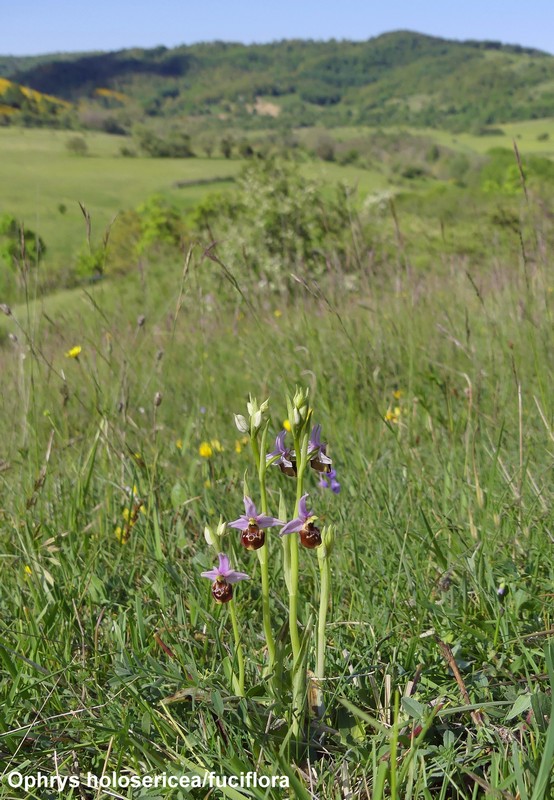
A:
(38, 175)
(42, 183)
(532, 136)
(417, 310)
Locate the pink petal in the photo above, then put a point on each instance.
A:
(268, 522)
(293, 526)
(212, 574)
(241, 523)
(235, 577)
(249, 508)
(224, 566)
(303, 512)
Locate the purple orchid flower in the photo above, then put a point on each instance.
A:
(329, 481)
(317, 451)
(287, 459)
(310, 536)
(223, 577)
(252, 526)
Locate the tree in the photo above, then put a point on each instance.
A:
(227, 146)
(77, 146)
(245, 150)
(176, 144)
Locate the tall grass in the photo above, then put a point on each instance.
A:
(435, 394)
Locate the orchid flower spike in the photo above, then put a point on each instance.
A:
(223, 577)
(287, 459)
(317, 451)
(310, 536)
(252, 526)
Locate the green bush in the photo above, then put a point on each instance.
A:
(176, 144)
(18, 244)
(77, 146)
(275, 222)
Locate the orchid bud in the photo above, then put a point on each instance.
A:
(329, 538)
(241, 423)
(213, 538)
(300, 398)
(256, 414)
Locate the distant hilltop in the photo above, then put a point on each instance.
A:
(397, 78)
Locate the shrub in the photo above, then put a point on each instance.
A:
(325, 149)
(176, 144)
(275, 222)
(17, 242)
(77, 146)
(226, 147)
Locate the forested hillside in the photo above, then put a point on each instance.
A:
(399, 77)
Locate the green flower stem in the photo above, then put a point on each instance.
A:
(325, 591)
(324, 596)
(293, 599)
(238, 684)
(263, 558)
(297, 673)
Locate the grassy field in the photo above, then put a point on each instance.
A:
(527, 135)
(439, 418)
(433, 382)
(42, 183)
(38, 174)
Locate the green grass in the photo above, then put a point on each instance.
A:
(525, 133)
(37, 174)
(439, 508)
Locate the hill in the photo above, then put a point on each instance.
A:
(397, 78)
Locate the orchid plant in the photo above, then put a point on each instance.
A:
(306, 450)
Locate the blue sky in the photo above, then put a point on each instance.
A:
(45, 26)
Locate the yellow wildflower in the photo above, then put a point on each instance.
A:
(179, 444)
(397, 394)
(393, 415)
(208, 484)
(287, 425)
(74, 352)
(216, 445)
(238, 447)
(28, 570)
(206, 450)
(122, 534)
(277, 313)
